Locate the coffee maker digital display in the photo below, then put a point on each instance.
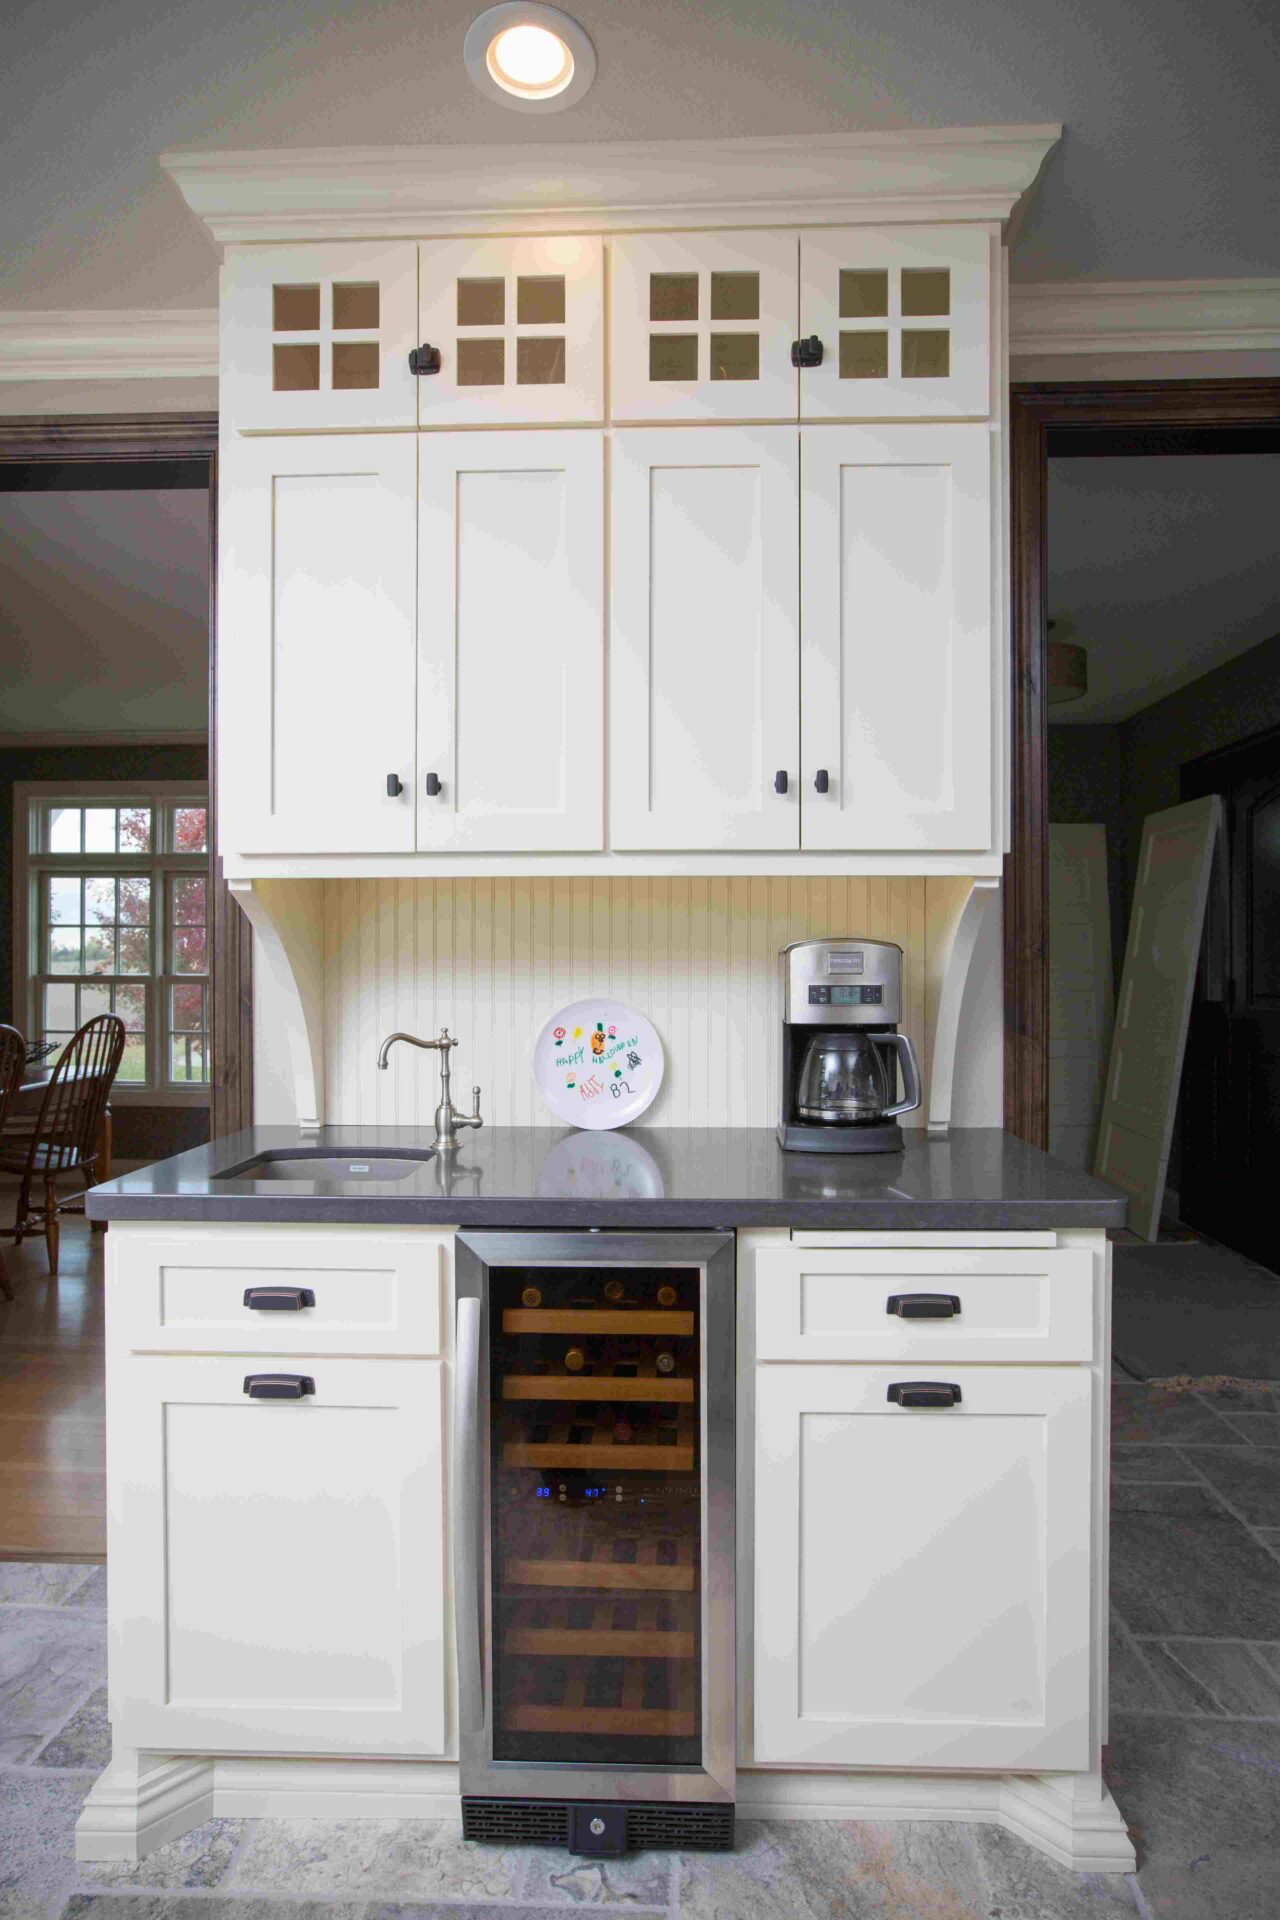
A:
(841, 1048)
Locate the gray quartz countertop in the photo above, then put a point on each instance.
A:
(976, 1179)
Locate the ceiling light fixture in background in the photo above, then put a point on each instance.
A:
(531, 57)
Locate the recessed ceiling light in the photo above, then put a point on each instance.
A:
(531, 57)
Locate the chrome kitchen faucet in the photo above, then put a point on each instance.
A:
(448, 1119)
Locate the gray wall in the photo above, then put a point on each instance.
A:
(141, 1133)
(1119, 774)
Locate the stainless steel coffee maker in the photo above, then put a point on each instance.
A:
(841, 1049)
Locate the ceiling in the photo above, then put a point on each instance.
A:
(104, 612)
(1163, 171)
(1168, 565)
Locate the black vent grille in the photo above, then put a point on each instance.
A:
(545, 1823)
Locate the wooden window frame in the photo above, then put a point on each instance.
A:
(1108, 418)
(143, 440)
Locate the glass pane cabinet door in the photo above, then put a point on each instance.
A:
(596, 1515)
(319, 336)
(702, 326)
(904, 317)
(519, 325)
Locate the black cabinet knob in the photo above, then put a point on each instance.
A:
(433, 785)
(424, 359)
(822, 780)
(278, 1386)
(807, 353)
(395, 786)
(923, 1306)
(780, 781)
(278, 1299)
(924, 1393)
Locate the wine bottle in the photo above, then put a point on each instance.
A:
(667, 1296)
(665, 1362)
(532, 1296)
(614, 1290)
(575, 1360)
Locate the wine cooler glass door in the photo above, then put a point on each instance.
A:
(597, 1515)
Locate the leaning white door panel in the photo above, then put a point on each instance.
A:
(897, 689)
(511, 647)
(703, 737)
(316, 644)
(282, 1582)
(922, 1592)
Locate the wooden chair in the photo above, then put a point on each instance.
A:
(13, 1061)
(68, 1127)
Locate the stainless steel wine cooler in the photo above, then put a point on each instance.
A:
(593, 1478)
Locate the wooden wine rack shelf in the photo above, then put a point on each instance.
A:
(597, 1451)
(645, 1384)
(601, 1320)
(539, 1629)
(530, 1712)
(644, 1574)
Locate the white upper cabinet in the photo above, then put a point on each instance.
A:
(922, 1593)
(904, 318)
(316, 644)
(704, 651)
(702, 326)
(897, 687)
(519, 328)
(319, 336)
(511, 642)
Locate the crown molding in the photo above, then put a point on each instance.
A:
(1144, 316)
(360, 193)
(127, 343)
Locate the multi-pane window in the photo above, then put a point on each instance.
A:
(119, 924)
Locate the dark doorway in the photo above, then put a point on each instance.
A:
(1231, 1082)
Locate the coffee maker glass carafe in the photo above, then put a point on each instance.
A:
(851, 1078)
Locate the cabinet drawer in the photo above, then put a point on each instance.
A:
(361, 1293)
(1026, 1304)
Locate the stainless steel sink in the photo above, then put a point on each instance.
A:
(330, 1167)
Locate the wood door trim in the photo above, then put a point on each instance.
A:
(127, 438)
(1116, 417)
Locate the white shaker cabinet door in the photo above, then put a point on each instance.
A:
(904, 317)
(922, 1579)
(702, 326)
(319, 336)
(511, 642)
(704, 653)
(519, 327)
(316, 644)
(281, 1584)
(897, 687)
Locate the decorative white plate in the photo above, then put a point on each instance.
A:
(598, 1064)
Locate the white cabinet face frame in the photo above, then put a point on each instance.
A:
(825, 1305)
(704, 639)
(317, 337)
(317, 643)
(924, 1600)
(904, 316)
(701, 326)
(520, 329)
(511, 642)
(897, 688)
(184, 1291)
(280, 1577)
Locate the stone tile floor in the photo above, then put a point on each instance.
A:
(1194, 1758)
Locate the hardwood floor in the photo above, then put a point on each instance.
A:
(52, 1444)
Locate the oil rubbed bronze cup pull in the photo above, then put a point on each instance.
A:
(278, 1386)
(923, 1306)
(278, 1299)
(924, 1393)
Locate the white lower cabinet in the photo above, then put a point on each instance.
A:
(278, 1565)
(922, 1576)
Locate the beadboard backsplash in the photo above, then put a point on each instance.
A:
(493, 959)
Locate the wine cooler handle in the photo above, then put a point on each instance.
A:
(468, 1514)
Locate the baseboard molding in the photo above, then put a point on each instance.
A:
(141, 1801)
